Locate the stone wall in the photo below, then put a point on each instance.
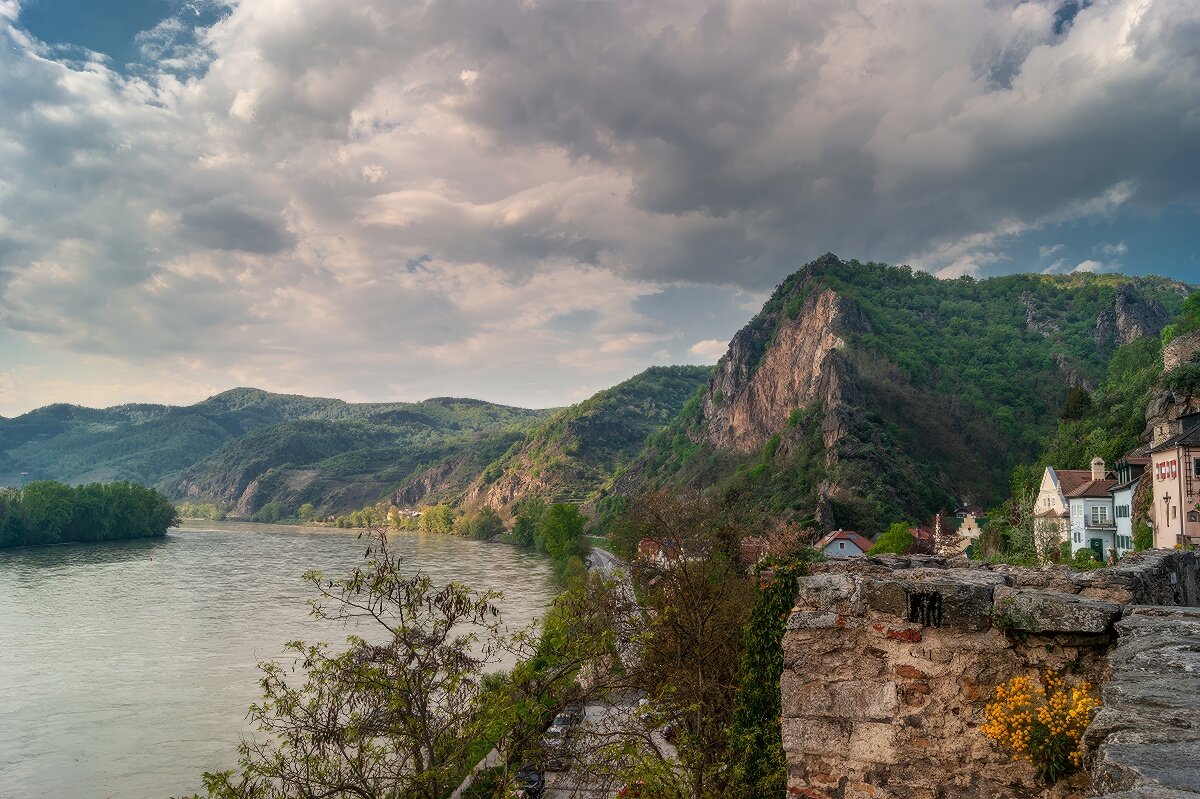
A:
(890, 661)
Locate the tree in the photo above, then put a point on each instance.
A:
(689, 656)
(486, 524)
(560, 532)
(48, 508)
(307, 512)
(437, 519)
(1077, 405)
(896, 540)
(391, 716)
(529, 515)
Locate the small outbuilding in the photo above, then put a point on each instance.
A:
(844, 544)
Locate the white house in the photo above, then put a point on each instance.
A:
(1076, 504)
(1129, 471)
(844, 544)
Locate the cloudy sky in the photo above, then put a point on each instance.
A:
(529, 200)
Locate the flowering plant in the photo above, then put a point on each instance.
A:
(1041, 721)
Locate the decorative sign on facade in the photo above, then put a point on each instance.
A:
(1167, 470)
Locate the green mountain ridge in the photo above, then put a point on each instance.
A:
(863, 393)
(859, 395)
(573, 455)
(235, 439)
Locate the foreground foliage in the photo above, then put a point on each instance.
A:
(1042, 722)
(391, 715)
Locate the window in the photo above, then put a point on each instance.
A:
(1196, 467)
(1122, 512)
(1078, 536)
(841, 544)
(1193, 516)
(1174, 512)
(1099, 515)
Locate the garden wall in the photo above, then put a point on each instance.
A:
(888, 663)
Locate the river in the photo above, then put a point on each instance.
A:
(126, 667)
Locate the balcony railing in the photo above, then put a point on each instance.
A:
(1104, 524)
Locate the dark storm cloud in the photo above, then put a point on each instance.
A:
(256, 190)
(225, 224)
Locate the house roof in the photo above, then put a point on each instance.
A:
(1051, 513)
(969, 510)
(1127, 484)
(858, 539)
(1071, 479)
(1093, 488)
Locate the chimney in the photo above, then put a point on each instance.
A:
(1097, 468)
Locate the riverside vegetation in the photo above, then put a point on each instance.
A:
(408, 709)
(46, 512)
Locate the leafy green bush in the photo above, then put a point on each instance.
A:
(896, 541)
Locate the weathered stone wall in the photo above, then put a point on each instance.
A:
(890, 661)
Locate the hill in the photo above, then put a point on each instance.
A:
(571, 457)
(247, 447)
(864, 393)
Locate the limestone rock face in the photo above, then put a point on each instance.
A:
(1131, 317)
(1181, 350)
(752, 395)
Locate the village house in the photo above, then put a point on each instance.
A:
(1075, 505)
(662, 553)
(844, 544)
(1175, 459)
(1129, 471)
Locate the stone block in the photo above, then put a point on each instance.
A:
(814, 620)
(812, 735)
(832, 591)
(1045, 611)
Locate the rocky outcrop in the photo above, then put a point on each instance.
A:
(1131, 317)
(1181, 350)
(413, 490)
(1033, 317)
(889, 662)
(752, 395)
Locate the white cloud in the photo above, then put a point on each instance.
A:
(710, 350)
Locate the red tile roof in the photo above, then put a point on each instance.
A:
(858, 539)
(1049, 513)
(1093, 488)
(1071, 479)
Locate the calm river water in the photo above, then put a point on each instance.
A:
(126, 667)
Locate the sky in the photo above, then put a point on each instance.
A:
(527, 201)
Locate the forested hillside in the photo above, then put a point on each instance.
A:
(572, 456)
(864, 393)
(245, 447)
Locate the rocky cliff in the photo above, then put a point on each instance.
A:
(863, 394)
(751, 397)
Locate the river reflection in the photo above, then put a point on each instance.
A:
(126, 667)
